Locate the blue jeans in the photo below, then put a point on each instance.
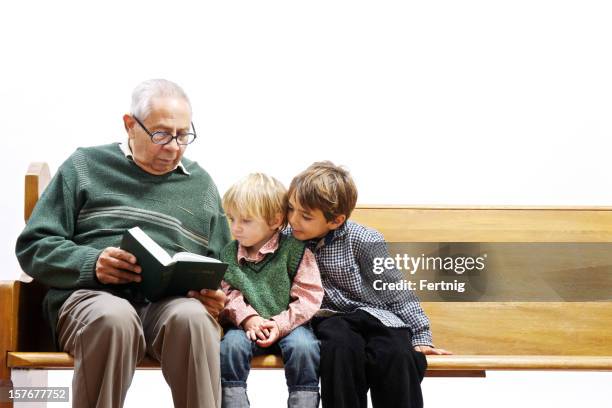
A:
(300, 353)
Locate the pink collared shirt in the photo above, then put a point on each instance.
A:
(306, 292)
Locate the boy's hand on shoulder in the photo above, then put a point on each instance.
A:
(274, 333)
(253, 328)
(432, 350)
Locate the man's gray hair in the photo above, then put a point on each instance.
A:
(146, 91)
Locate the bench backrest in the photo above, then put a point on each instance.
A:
(481, 328)
(507, 328)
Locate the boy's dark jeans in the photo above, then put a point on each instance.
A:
(359, 353)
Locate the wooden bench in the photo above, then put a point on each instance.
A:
(483, 335)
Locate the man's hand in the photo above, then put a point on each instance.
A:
(432, 350)
(117, 266)
(274, 333)
(252, 328)
(213, 300)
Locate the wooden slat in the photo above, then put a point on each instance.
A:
(9, 295)
(36, 179)
(267, 361)
(407, 224)
(512, 362)
(486, 207)
(436, 363)
(455, 373)
(53, 360)
(523, 328)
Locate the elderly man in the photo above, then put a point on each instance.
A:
(70, 244)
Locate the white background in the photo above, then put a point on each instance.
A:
(437, 102)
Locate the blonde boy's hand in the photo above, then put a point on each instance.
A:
(432, 350)
(253, 328)
(274, 333)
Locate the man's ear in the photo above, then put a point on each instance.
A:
(336, 222)
(128, 123)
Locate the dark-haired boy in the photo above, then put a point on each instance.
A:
(370, 339)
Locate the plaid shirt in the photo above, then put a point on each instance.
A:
(345, 258)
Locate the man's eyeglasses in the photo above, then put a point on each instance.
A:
(163, 138)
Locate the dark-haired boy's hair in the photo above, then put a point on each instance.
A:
(326, 187)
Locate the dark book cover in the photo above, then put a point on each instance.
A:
(163, 275)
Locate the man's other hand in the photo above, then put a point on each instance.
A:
(213, 300)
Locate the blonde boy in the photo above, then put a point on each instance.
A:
(273, 289)
(369, 339)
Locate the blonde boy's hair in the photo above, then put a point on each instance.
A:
(326, 187)
(257, 195)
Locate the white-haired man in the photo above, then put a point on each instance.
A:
(71, 245)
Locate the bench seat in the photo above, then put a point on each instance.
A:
(50, 360)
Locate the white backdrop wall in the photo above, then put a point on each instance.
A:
(439, 102)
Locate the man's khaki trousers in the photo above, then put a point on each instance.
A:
(108, 336)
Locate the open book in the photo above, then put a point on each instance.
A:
(163, 275)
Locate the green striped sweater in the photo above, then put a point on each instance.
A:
(95, 196)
